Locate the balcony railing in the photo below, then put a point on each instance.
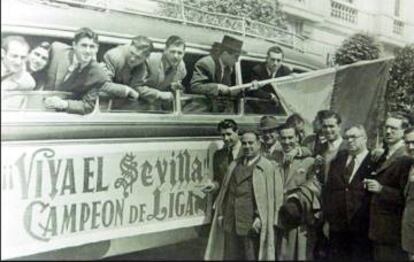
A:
(344, 11)
(178, 12)
(398, 27)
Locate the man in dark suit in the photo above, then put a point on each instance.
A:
(407, 229)
(213, 76)
(387, 201)
(273, 67)
(346, 202)
(228, 130)
(74, 69)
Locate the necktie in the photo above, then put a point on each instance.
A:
(349, 168)
(72, 68)
(229, 155)
(226, 79)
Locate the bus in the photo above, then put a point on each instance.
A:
(113, 181)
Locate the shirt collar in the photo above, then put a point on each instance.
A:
(236, 149)
(335, 144)
(222, 65)
(395, 147)
(361, 155)
(165, 63)
(270, 73)
(251, 161)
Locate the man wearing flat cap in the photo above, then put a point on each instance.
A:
(214, 74)
(269, 135)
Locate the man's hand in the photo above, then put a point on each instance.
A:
(177, 86)
(319, 160)
(166, 96)
(255, 85)
(132, 94)
(274, 99)
(257, 225)
(55, 102)
(209, 187)
(372, 185)
(223, 89)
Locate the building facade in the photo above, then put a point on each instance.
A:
(324, 24)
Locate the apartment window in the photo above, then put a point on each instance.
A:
(397, 7)
(298, 27)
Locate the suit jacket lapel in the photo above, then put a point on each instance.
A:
(400, 152)
(361, 171)
(63, 66)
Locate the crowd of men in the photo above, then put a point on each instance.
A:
(133, 75)
(282, 194)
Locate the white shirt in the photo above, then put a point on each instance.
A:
(251, 161)
(235, 150)
(358, 161)
(334, 146)
(393, 148)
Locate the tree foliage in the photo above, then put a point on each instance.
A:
(357, 47)
(400, 86)
(265, 11)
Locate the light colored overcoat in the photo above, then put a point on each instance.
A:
(268, 192)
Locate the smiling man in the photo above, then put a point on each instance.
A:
(74, 69)
(295, 228)
(166, 72)
(222, 158)
(14, 54)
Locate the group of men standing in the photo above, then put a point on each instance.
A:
(276, 196)
(133, 75)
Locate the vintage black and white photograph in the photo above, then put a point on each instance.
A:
(207, 130)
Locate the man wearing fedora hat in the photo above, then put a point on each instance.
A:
(213, 75)
(269, 135)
